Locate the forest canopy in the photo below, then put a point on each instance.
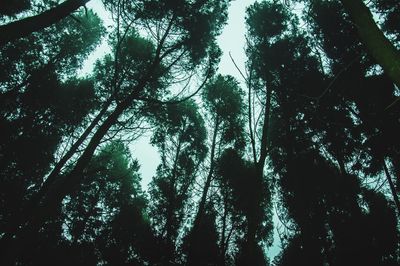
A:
(299, 153)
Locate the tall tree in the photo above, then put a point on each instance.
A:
(248, 197)
(222, 98)
(180, 137)
(223, 101)
(315, 129)
(176, 42)
(41, 104)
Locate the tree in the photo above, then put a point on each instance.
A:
(41, 103)
(312, 127)
(223, 102)
(111, 207)
(222, 98)
(313, 149)
(350, 65)
(201, 243)
(248, 196)
(262, 83)
(105, 221)
(180, 136)
(331, 226)
(175, 44)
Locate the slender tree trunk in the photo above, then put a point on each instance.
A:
(252, 225)
(57, 168)
(171, 209)
(223, 235)
(202, 203)
(65, 186)
(341, 163)
(381, 49)
(259, 167)
(391, 185)
(250, 117)
(264, 136)
(26, 26)
(396, 165)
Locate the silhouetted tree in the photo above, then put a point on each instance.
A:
(180, 136)
(41, 104)
(313, 129)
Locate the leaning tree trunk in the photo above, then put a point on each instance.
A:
(391, 185)
(381, 49)
(26, 26)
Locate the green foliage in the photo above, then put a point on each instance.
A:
(197, 22)
(248, 191)
(183, 121)
(223, 100)
(332, 226)
(266, 20)
(118, 74)
(110, 208)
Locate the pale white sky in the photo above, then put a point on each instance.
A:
(232, 38)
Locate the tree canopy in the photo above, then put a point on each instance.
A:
(299, 154)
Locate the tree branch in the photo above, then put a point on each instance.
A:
(26, 26)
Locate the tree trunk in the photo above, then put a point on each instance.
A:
(391, 185)
(380, 48)
(395, 159)
(264, 136)
(202, 203)
(26, 26)
(252, 225)
(341, 163)
(223, 247)
(170, 252)
(57, 168)
(250, 118)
